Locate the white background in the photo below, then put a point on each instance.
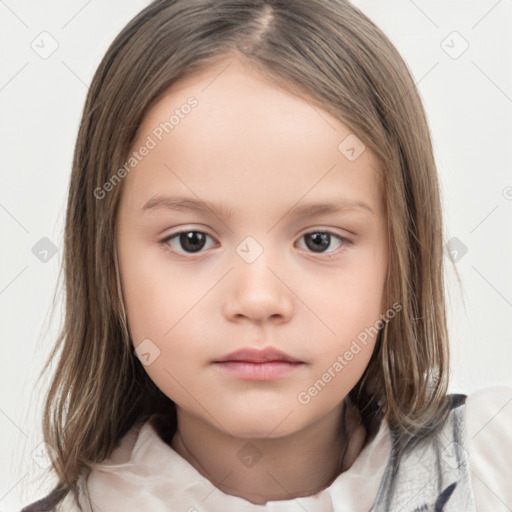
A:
(469, 105)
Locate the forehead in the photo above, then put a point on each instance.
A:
(249, 135)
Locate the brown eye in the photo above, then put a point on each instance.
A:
(189, 241)
(319, 241)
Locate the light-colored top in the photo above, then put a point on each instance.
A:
(145, 473)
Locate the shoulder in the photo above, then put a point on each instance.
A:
(489, 446)
(488, 418)
(46, 504)
(61, 499)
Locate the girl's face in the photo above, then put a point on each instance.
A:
(283, 247)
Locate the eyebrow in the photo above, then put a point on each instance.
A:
(223, 211)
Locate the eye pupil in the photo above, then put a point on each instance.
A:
(190, 240)
(323, 239)
(194, 241)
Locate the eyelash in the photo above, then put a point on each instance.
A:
(344, 242)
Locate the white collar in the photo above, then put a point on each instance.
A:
(145, 473)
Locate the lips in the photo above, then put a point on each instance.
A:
(253, 364)
(251, 355)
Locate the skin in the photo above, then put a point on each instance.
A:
(259, 149)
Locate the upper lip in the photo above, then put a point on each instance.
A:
(253, 355)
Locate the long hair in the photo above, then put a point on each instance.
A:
(331, 54)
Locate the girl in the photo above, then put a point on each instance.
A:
(255, 314)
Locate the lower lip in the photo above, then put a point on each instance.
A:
(269, 370)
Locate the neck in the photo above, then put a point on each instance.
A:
(269, 469)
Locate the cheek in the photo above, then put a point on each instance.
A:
(158, 296)
(165, 316)
(350, 300)
(350, 309)
(165, 322)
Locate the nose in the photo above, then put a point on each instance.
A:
(257, 292)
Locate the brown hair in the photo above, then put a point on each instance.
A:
(334, 56)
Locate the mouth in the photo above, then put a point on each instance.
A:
(252, 364)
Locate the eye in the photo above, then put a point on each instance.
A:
(319, 241)
(190, 241)
(193, 241)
